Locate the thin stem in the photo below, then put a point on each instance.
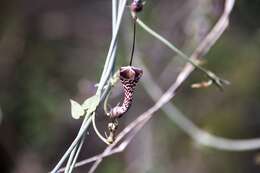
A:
(77, 154)
(105, 107)
(206, 44)
(110, 65)
(70, 160)
(115, 9)
(97, 131)
(133, 46)
(218, 81)
(106, 71)
(211, 38)
(74, 143)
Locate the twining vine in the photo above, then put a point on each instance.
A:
(128, 76)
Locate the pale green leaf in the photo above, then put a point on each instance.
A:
(76, 110)
(91, 103)
(93, 106)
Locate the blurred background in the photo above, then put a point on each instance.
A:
(54, 50)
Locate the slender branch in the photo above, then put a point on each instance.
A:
(200, 136)
(217, 80)
(110, 60)
(197, 134)
(107, 71)
(204, 138)
(70, 160)
(77, 154)
(85, 125)
(96, 157)
(210, 39)
(133, 46)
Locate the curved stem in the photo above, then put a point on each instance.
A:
(105, 107)
(97, 131)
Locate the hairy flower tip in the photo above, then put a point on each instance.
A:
(137, 6)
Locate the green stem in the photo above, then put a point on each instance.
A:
(97, 131)
(74, 143)
(77, 154)
(110, 60)
(218, 81)
(109, 64)
(72, 154)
